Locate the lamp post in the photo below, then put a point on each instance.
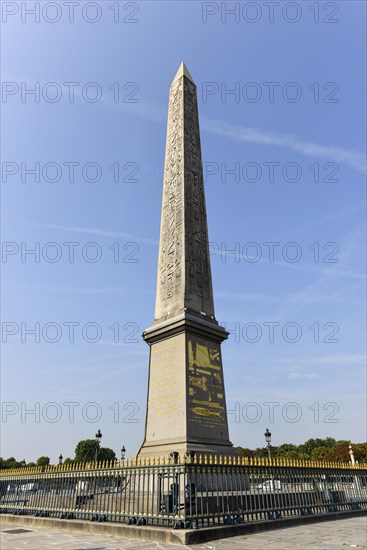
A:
(98, 443)
(123, 451)
(267, 435)
(60, 459)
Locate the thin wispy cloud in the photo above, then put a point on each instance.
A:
(338, 359)
(123, 291)
(150, 109)
(354, 159)
(99, 232)
(249, 297)
(302, 375)
(306, 268)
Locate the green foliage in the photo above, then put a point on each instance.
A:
(85, 451)
(314, 449)
(360, 451)
(105, 453)
(43, 461)
(287, 450)
(244, 451)
(8, 463)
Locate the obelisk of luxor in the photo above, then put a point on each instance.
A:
(186, 405)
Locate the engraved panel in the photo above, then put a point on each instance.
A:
(184, 276)
(198, 290)
(207, 415)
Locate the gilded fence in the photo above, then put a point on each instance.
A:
(187, 492)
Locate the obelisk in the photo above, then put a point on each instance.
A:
(186, 406)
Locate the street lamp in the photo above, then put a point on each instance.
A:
(60, 459)
(98, 443)
(123, 451)
(268, 441)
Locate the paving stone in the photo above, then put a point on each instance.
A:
(334, 535)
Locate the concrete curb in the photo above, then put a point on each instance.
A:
(172, 536)
(143, 532)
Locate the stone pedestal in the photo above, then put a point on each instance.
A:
(186, 406)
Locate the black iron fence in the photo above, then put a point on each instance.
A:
(188, 493)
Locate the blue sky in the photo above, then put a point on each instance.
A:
(320, 385)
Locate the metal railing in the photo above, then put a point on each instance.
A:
(185, 493)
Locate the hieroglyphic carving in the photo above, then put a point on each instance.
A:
(206, 403)
(184, 277)
(199, 294)
(170, 266)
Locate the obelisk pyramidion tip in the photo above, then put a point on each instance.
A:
(183, 71)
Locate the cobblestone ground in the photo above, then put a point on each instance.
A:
(333, 535)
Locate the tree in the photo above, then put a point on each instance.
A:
(85, 451)
(43, 461)
(105, 453)
(308, 449)
(319, 453)
(11, 463)
(287, 450)
(360, 452)
(244, 451)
